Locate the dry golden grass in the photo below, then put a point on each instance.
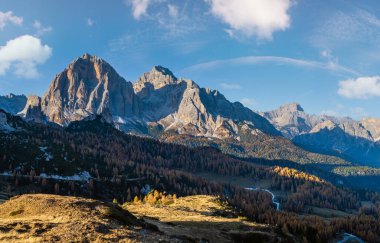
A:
(47, 218)
(201, 217)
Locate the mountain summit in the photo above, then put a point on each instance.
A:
(89, 85)
(158, 101)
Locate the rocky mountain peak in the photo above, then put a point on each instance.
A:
(291, 107)
(87, 86)
(156, 78)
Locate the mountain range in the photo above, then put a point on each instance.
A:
(356, 141)
(159, 105)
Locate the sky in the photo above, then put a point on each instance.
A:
(322, 54)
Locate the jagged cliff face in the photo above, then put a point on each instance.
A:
(373, 126)
(292, 120)
(33, 110)
(12, 103)
(180, 105)
(352, 140)
(157, 102)
(88, 86)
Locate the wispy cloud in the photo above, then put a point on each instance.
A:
(230, 86)
(9, 17)
(139, 7)
(90, 22)
(252, 60)
(341, 28)
(173, 10)
(40, 29)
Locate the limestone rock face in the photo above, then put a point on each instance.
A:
(12, 103)
(157, 78)
(292, 120)
(33, 110)
(157, 102)
(181, 106)
(88, 86)
(373, 126)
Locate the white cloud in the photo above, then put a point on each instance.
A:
(248, 102)
(252, 60)
(6, 17)
(90, 22)
(22, 55)
(230, 86)
(40, 29)
(259, 18)
(139, 7)
(173, 10)
(360, 88)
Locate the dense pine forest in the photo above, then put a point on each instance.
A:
(126, 168)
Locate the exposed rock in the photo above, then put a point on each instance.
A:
(157, 102)
(343, 136)
(292, 120)
(12, 103)
(181, 106)
(33, 111)
(157, 78)
(373, 126)
(88, 86)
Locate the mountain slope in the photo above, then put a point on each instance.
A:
(157, 102)
(340, 136)
(180, 105)
(51, 218)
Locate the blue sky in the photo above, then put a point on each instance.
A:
(323, 54)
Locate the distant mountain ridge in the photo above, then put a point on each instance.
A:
(12, 103)
(353, 140)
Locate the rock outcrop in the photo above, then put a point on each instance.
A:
(33, 111)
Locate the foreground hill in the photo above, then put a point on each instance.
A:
(38, 217)
(205, 218)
